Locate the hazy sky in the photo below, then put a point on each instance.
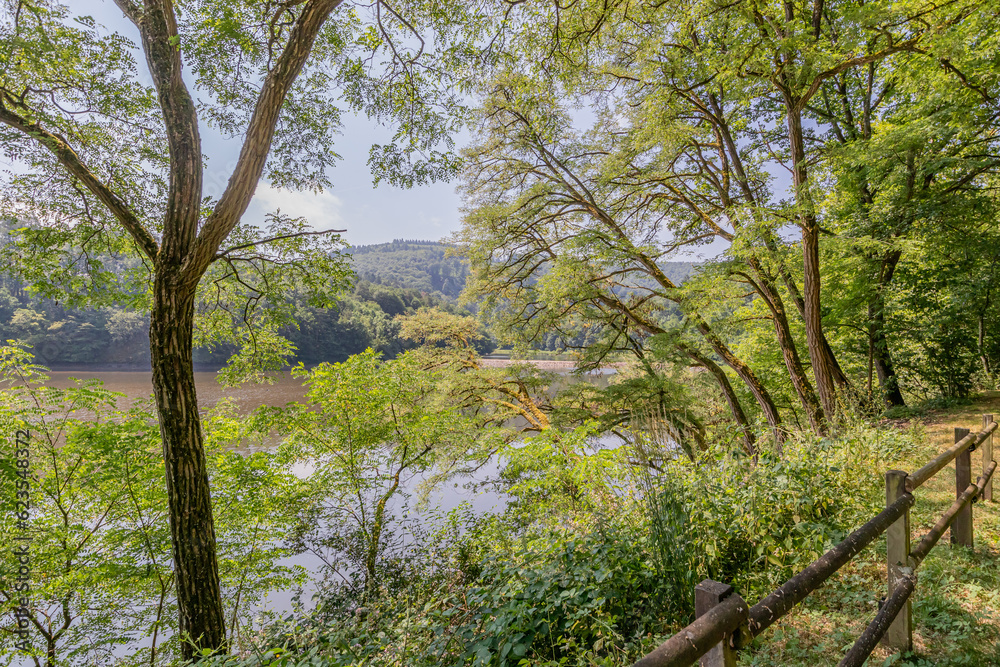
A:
(369, 214)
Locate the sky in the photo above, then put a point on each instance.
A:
(369, 214)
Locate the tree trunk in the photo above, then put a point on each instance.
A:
(818, 353)
(881, 355)
(749, 441)
(192, 529)
(807, 396)
(822, 368)
(746, 374)
(789, 351)
(984, 356)
(726, 138)
(981, 343)
(839, 376)
(740, 367)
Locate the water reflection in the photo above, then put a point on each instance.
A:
(137, 385)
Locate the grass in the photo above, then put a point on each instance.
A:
(956, 607)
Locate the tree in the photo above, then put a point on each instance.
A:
(911, 158)
(782, 59)
(553, 242)
(368, 428)
(696, 104)
(449, 345)
(100, 535)
(112, 167)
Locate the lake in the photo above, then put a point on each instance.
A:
(286, 389)
(139, 384)
(136, 385)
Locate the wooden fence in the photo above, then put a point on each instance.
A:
(725, 623)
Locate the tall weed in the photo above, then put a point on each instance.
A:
(753, 524)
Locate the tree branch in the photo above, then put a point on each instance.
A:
(260, 132)
(276, 238)
(908, 45)
(161, 45)
(131, 11)
(68, 158)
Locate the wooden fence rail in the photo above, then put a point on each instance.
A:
(725, 623)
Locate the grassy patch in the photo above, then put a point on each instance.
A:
(956, 607)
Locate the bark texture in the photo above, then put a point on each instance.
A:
(818, 353)
(184, 251)
(192, 529)
(786, 342)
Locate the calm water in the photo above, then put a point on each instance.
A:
(139, 384)
(286, 389)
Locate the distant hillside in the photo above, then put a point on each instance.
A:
(420, 265)
(394, 279)
(677, 272)
(425, 266)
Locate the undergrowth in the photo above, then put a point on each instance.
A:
(611, 575)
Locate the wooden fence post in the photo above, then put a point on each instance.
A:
(707, 594)
(988, 458)
(961, 530)
(900, 634)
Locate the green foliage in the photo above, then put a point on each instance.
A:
(102, 576)
(325, 322)
(611, 143)
(756, 524)
(423, 265)
(596, 555)
(569, 599)
(367, 427)
(561, 471)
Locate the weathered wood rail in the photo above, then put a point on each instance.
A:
(725, 623)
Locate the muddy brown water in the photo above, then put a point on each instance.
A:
(139, 384)
(285, 388)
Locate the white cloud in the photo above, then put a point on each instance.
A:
(323, 210)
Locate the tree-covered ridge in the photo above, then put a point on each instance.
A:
(116, 337)
(413, 264)
(435, 266)
(393, 279)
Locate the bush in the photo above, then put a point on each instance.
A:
(754, 524)
(600, 583)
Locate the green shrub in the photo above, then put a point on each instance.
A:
(604, 579)
(754, 524)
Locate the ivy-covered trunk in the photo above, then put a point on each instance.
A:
(881, 354)
(192, 528)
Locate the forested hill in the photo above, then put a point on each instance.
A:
(396, 278)
(422, 265)
(428, 266)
